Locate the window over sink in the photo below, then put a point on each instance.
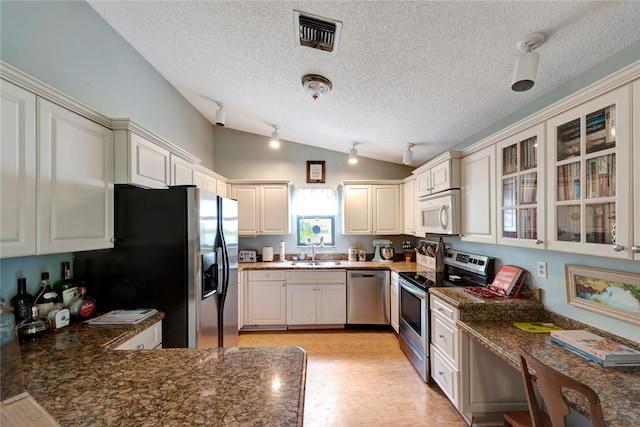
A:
(315, 210)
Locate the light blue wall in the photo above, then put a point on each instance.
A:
(30, 268)
(67, 45)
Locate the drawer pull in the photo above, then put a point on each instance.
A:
(440, 373)
(440, 309)
(441, 336)
(139, 346)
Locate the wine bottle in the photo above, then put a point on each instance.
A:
(47, 299)
(34, 327)
(65, 287)
(22, 302)
(83, 306)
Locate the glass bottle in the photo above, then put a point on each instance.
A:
(83, 306)
(7, 323)
(66, 287)
(34, 327)
(46, 299)
(22, 302)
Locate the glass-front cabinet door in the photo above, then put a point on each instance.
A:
(521, 188)
(589, 184)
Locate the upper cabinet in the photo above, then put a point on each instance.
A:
(263, 208)
(209, 181)
(590, 190)
(75, 186)
(478, 219)
(520, 187)
(372, 208)
(635, 248)
(440, 174)
(18, 178)
(147, 160)
(409, 202)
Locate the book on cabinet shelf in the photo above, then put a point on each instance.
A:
(568, 139)
(594, 347)
(528, 158)
(601, 129)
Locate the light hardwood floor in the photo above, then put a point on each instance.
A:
(361, 378)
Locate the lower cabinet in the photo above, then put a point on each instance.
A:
(395, 302)
(265, 298)
(479, 384)
(148, 339)
(316, 298)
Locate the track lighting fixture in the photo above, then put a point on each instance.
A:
(407, 157)
(275, 137)
(220, 115)
(524, 73)
(353, 154)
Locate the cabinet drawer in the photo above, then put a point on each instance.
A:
(338, 276)
(445, 375)
(148, 339)
(267, 275)
(444, 335)
(444, 309)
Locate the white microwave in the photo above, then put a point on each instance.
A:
(440, 213)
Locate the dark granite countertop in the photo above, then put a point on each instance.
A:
(78, 377)
(490, 322)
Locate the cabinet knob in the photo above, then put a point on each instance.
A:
(112, 240)
(539, 242)
(139, 346)
(618, 248)
(440, 309)
(441, 336)
(635, 249)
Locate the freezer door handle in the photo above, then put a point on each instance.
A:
(209, 294)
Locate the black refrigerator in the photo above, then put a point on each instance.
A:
(175, 250)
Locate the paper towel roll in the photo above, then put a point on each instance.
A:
(283, 256)
(267, 254)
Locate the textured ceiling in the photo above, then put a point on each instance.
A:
(424, 72)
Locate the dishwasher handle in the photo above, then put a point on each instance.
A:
(363, 275)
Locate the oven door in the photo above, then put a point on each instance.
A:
(414, 326)
(439, 213)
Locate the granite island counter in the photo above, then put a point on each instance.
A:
(79, 379)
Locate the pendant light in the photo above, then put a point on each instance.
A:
(275, 137)
(353, 154)
(407, 157)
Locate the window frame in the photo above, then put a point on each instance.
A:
(302, 240)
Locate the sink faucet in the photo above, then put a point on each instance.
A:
(313, 247)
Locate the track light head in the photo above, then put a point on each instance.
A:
(407, 157)
(220, 115)
(524, 73)
(353, 154)
(275, 137)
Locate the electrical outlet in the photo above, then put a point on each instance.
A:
(542, 269)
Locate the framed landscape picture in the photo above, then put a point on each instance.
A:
(609, 292)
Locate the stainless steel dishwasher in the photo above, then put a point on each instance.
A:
(368, 297)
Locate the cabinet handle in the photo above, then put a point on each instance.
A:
(440, 373)
(112, 240)
(440, 309)
(618, 248)
(139, 346)
(635, 249)
(441, 336)
(539, 242)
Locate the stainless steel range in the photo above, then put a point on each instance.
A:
(461, 269)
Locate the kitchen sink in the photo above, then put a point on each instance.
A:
(315, 263)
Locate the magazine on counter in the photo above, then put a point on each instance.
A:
(123, 317)
(597, 348)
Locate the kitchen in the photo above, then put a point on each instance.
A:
(249, 153)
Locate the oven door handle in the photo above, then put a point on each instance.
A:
(414, 292)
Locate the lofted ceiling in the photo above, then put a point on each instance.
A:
(431, 73)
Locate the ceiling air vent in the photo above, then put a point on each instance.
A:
(317, 32)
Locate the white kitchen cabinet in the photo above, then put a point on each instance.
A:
(18, 178)
(440, 174)
(75, 185)
(181, 170)
(589, 192)
(479, 384)
(372, 208)
(316, 297)
(242, 278)
(395, 302)
(141, 162)
(478, 216)
(150, 338)
(221, 187)
(265, 298)
(520, 189)
(209, 181)
(409, 203)
(263, 208)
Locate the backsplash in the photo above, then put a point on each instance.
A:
(30, 267)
